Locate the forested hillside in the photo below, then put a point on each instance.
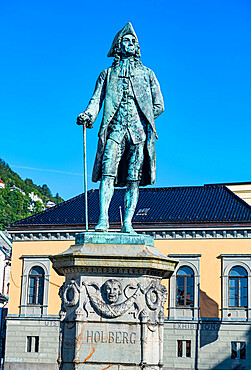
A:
(21, 198)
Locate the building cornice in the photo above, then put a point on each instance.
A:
(174, 233)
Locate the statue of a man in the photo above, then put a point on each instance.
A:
(126, 147)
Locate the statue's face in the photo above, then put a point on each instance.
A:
(128, 45)
(112, 290)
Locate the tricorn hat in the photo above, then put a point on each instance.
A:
(128, 29)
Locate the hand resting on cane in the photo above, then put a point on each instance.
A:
(85, 120)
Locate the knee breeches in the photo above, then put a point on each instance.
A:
(134, 158)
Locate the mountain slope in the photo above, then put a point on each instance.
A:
(21, 198)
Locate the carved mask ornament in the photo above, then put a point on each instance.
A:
(112, 290)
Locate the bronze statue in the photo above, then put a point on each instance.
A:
(126, 147)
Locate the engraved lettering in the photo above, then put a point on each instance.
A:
(133, 338)
(97, 336)
(118, 337)
(125, 337)
(89, 336)
(210, 327)
(103, 337)
(111, 337)
(50, 323)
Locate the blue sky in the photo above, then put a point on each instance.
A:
(53, 51)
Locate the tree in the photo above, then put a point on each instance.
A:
(46, 191)
(38, 207)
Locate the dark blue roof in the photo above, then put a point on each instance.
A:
(169, 206)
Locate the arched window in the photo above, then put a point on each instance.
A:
(185, 287)
(238, 287)
(36, 286)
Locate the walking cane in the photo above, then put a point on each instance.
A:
(85, 177)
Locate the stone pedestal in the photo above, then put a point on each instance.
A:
(112, 302)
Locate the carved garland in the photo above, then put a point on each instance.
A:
(71, 294)
(110, 310)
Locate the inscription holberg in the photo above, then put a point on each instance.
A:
(120, 337)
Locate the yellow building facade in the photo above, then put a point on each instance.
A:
(209, 250)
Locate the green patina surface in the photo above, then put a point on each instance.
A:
(114, 238)
(132, 100)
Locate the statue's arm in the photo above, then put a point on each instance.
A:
(158, 103)
(89, 116)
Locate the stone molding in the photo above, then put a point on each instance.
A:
(111, 270)
(169, 234)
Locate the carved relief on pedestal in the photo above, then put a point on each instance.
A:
(71, 294)
(155, 296)
(111, 300)
(62, 312)
(105, 299)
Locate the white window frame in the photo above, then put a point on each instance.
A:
(34, 342)
(27, 309)
(228, 262)
(183, 312)
(238, 350)
(184, 349)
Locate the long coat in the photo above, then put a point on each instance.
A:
(149, 98)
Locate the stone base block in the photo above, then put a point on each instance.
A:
(29, 366)
(112, 302)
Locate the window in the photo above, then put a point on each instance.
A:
(185, 287)
(32, 344)
(184, 348)
(142, 212)
(238, 287)
(36, 286)
(238, 350)
(236, 290)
